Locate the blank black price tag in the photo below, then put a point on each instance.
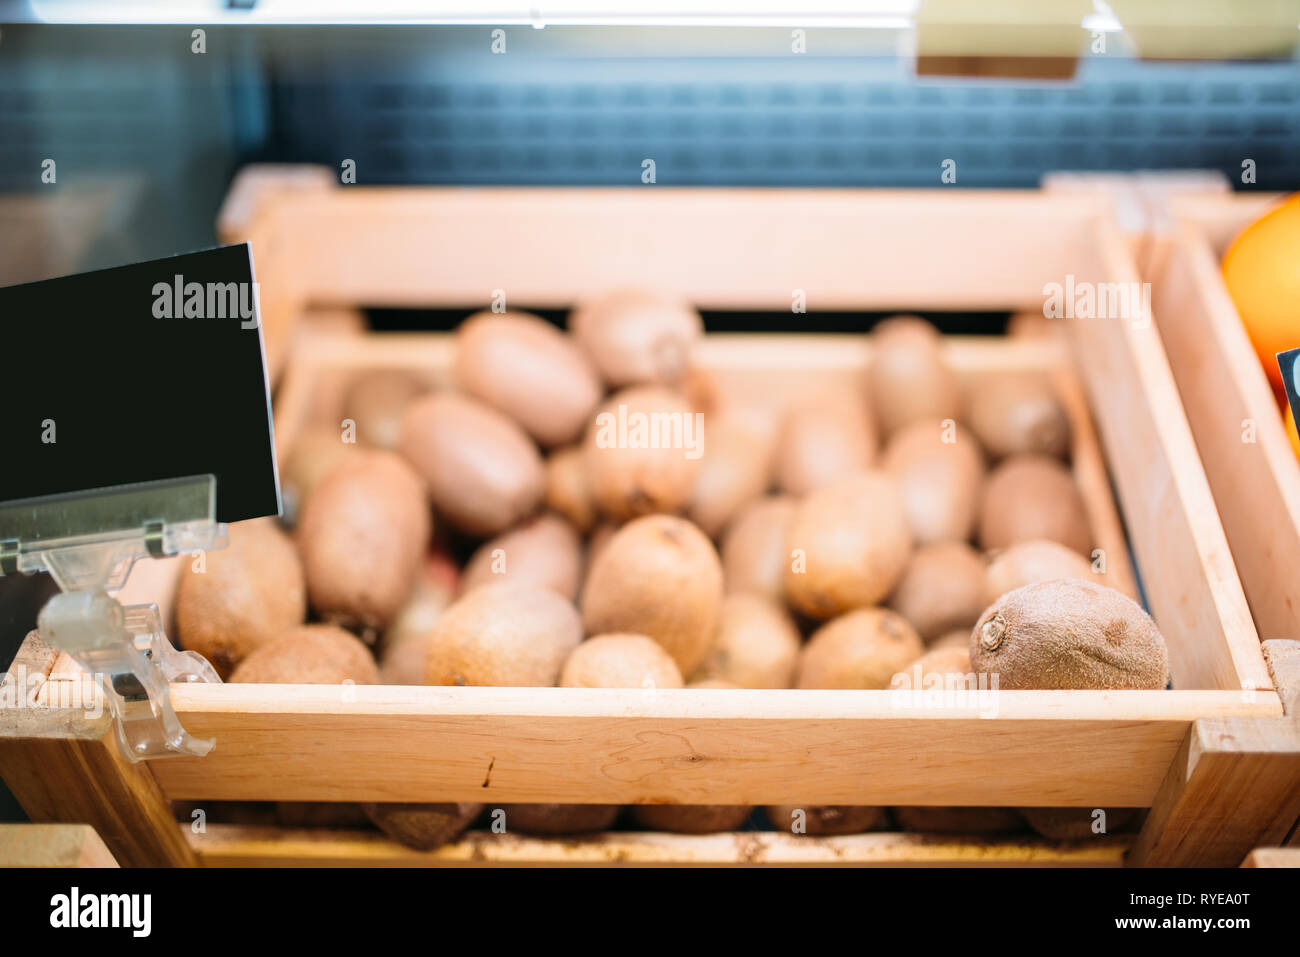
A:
(135, 374)
(1289, 363)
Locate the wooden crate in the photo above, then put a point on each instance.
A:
(1205, 757)
(1256, 484)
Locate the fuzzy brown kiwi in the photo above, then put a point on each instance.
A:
(523, 366)
(691, 818)
(861, 650)
(1069, 633)
(401, 650)
(846, 546)
(319, 814)
(313, 456)
(735, 470)
(566, 488)
(482, 471)
(824, 438)
(713, 684)
(942, 589)
(756, 644)
(620, 661)
(941, 662)
(362, 537)
(503, 635)
(423, 826)
(753, 548)
(1034, 561)
(376, 402)
(1030, 497)
(309, 655)
(605, 661)
(244, 596)
(825, 820)
(1018, 414)
(635, 474)
(909, 375)
(1077, 823)
(959, 820)
(658, 576)
(636, 336)
(560, 818)
(544, 550)
(939, 468)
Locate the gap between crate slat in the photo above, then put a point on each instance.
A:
(224, 845)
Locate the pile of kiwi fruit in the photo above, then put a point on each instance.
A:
(490, 532)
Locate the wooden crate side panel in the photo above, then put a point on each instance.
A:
(234, 846)
(720, 248)
(1247, 456)
(729, 747)
(1187, 571)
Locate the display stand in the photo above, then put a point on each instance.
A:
(89, 541)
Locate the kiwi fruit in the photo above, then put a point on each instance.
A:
(959, 820)
(334, 814)
(1014, 415)
(942, 589)
(658, 576)
(523, 366)
(642, 471)
(605, 661)
(957, 638)
(635, 336)
(734, 471)
(941, 662)
(400, 650)
(909, 376)
(713, 684)
(598, 539)
(1069, 633)
(482, 471)
(756, 645)
(566, 488)
(822, 439)
(939, 468)
(847, 545)
(362, 538)
(1033, 561)
(860, 650)
(423, 826)
(691, 818)
(620, 661)
(314, 455)
(309, 655)
(1030, 497)
(753, 548)
(1076, 823)
(548, 819)
(503, 635)
(245, 596)
(544, 550)
(826, 820)
(376, 402)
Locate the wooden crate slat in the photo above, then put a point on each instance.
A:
(741, 747)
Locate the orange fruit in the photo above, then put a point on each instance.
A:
(1262, 272)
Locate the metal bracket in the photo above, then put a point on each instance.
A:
(89, 541)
